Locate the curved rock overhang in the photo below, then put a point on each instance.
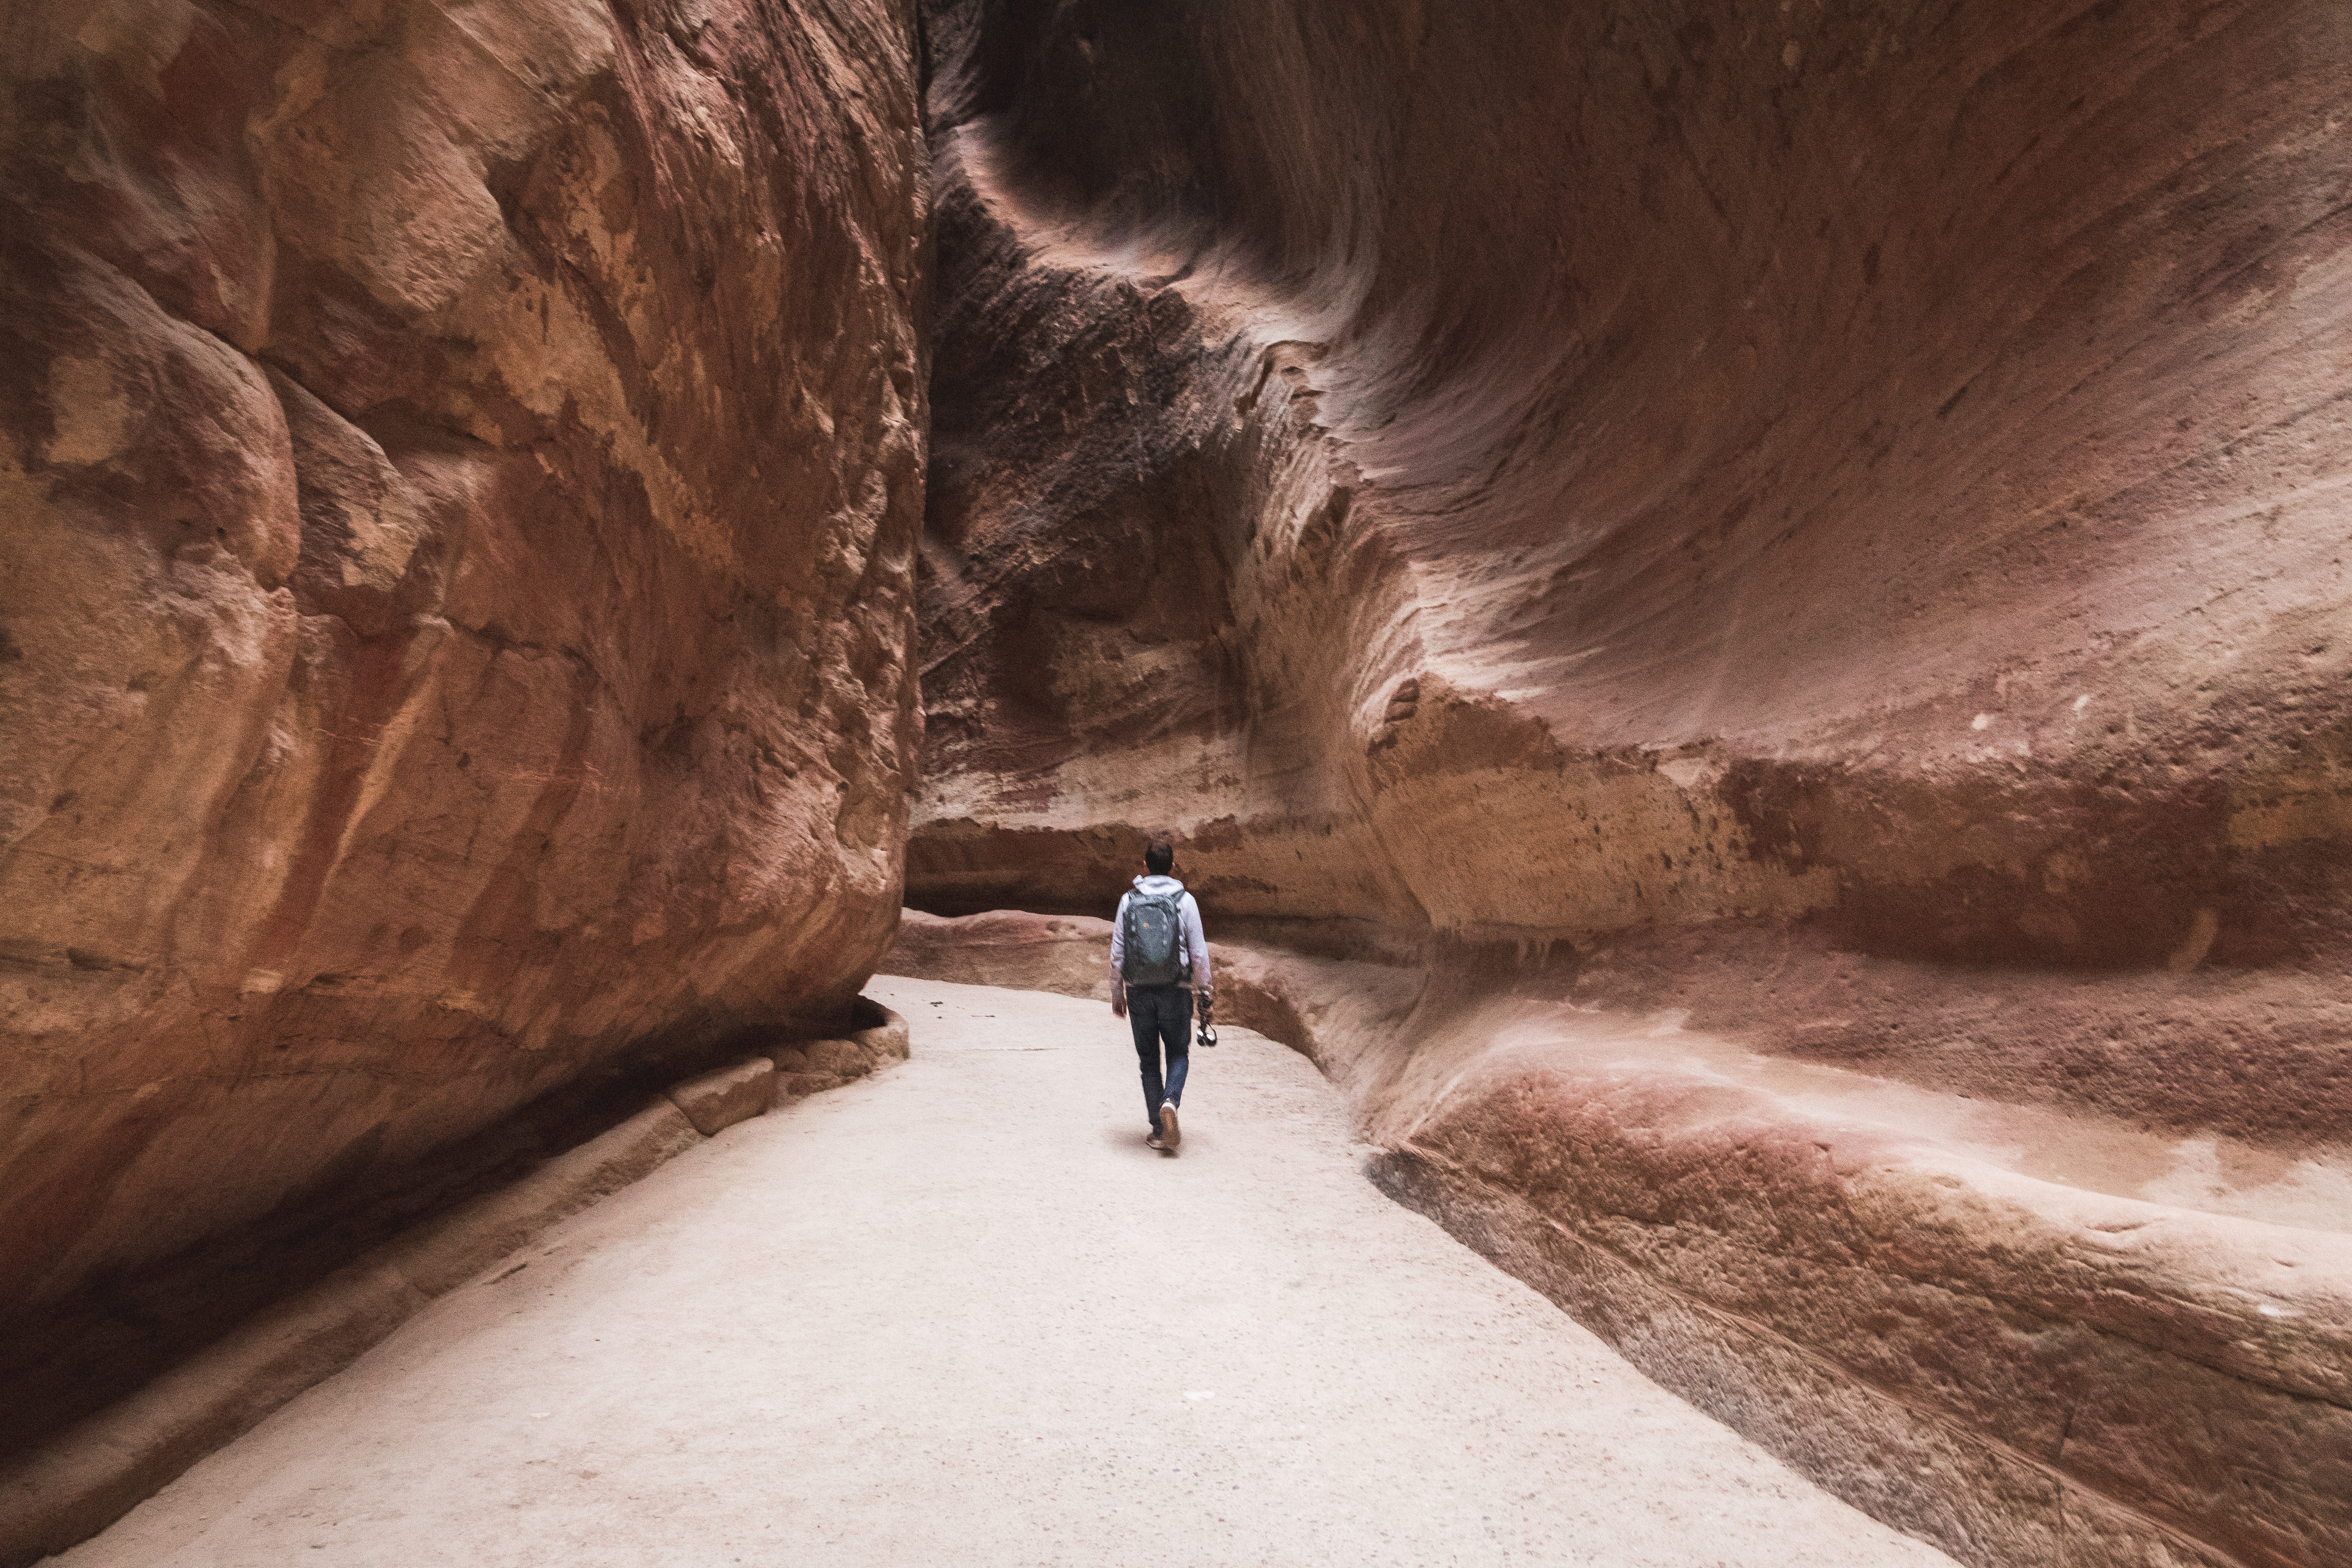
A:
(1889, 461)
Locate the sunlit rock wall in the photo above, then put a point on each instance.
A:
(460, 470)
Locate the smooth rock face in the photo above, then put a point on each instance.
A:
(460, 482)
(1807, 541)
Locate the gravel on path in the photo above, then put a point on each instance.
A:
(958, 1313)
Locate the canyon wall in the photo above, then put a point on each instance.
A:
(461, 478)
(1779, 572)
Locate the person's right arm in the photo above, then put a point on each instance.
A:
(1118, 956)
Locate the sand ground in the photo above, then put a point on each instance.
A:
(958, 1313)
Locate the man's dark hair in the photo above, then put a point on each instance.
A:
(1159, 855)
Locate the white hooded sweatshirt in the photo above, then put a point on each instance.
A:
(1195, 944)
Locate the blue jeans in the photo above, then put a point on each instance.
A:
(1160, 1015)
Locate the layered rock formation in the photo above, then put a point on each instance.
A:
(1784, 567)
(462, 472)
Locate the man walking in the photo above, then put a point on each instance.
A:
(1156, 945)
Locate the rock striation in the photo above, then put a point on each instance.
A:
(461, 478)
(1780, 572)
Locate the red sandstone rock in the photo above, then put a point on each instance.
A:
(1827, 521)
(1823, 525)
(461, 486)
(814, 1066)
(1069, 955)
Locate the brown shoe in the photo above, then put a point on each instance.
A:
(1151, 1141)
(1169, 1133)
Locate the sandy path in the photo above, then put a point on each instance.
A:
(958, 1313)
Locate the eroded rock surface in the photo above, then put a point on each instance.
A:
(460, 487)
(718, 1100)
(1803, 536)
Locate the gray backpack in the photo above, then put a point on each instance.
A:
(1151, 939)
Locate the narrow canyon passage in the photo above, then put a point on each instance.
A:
(1736, 617)
(958, 1312)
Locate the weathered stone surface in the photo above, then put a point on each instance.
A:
(812, 1067)
(1778, 568)
(1069, 955)
(719, 1098)
(792, 1085)
(459, 473)
(842, 1059)
(881, 1034)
